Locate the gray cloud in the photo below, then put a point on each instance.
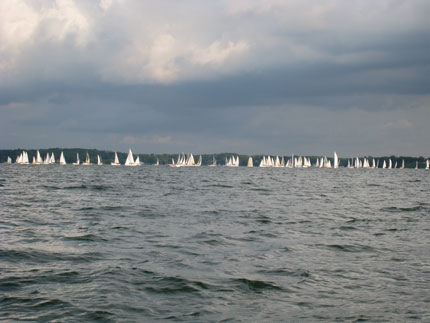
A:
(247, 76)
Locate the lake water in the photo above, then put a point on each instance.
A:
(139, 244)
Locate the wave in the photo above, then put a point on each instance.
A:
(37, 256)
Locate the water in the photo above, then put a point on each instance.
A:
(118, 244)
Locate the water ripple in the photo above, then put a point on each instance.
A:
(117, 244)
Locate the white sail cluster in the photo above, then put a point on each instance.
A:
(232, 161)
(298, 162)
(22, 158)
(186, 161)
(130, 161)
(37, 160)
(269, 161)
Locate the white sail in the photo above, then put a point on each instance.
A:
(9, 160)
(87, 161)
(390, 164)
(336, 161)
(39, 159)
(233, 162)
(199, 163)
(416, 165)
(52, 159)
(403, 164)
(427, 164)
(190, 161)
(137, 161)
(250, 162)
(262, 162)
(236, 164)
(99, 160)
(116, 161)
(77, 160)
(25, 158)
(213, 162)
(157, 163)
(384, 165)
(62, 159)
(130, 160)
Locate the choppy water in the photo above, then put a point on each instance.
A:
(119, 244)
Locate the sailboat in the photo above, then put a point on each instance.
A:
(130, 160)
(173, 163)
(390, 164)
(384, 165)
(213, 162)
(403, 164)
(23, 158)
(62, 159)
(137, 161)
(9, 160)
(99, 160)
(234, 162)
(416, 165)
(47, 159)
(116, 161)
(157, 163)
(428, 164)
(39, 159)
(250, 162)
(87, 161)
(77, 160)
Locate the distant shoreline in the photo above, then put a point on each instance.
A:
(166, 158)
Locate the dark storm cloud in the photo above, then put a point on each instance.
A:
(266, 76)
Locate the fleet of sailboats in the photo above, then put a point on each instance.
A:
(187, 160)
(232, 161)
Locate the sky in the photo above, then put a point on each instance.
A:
(207, 76)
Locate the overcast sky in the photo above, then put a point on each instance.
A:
(247, 76)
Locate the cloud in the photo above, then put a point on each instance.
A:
(399, 124)
(248, 75)
(141, 42)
